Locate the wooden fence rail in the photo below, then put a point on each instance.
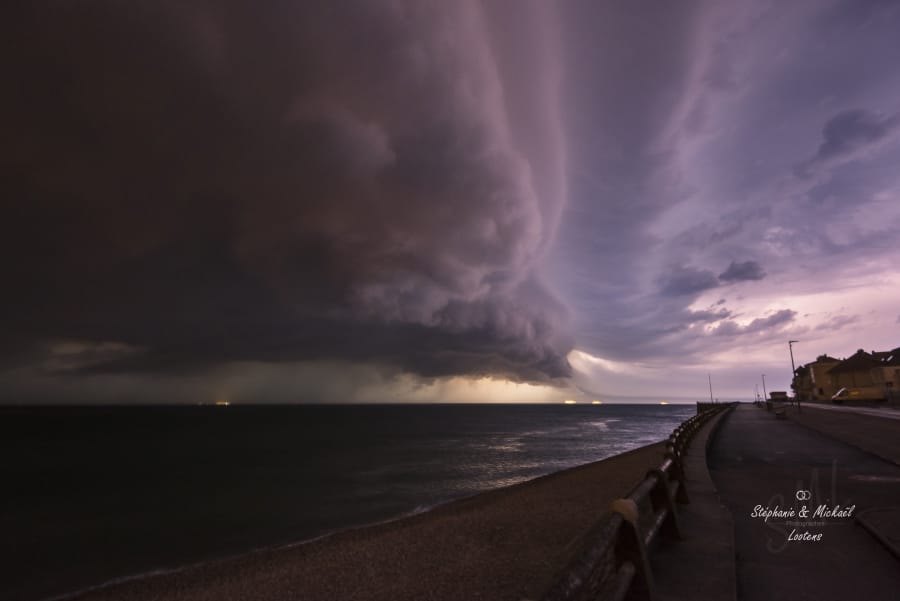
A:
(614, 565)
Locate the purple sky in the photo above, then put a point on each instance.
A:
(463, 201)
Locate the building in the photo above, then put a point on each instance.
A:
(887, 374)
(811, 381)
(856, 371)
(862, 376)
(801, 384)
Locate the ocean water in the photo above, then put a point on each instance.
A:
(95, 494)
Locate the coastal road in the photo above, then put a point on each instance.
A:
(873, 411)
(760, 463)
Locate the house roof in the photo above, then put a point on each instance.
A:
(892, 358)
(825, 359)
(859, 361)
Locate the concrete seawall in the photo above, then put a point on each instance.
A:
(701, 567)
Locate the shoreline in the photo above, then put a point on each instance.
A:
(464, 547)
(183, 489)
(199, 564)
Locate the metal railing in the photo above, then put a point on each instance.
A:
(615, 565)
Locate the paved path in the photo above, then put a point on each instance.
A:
(757, 459)
(700, 566)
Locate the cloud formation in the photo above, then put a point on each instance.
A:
(224, 182)
(684, 281)
(848, 131)
(449, 189)
(850, 135)
(747, 270)
(686, 167)
(759, 325)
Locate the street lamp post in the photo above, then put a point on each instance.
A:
(794, 371)
(765, 394)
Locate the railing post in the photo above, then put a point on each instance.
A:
(661, 500)
(630, 546)
(619, 568)
(677, 474)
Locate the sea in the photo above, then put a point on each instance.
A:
(91, 495)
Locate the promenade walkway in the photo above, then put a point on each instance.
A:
(759, 460)
(707, 536)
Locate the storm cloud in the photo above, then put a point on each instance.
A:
(221, 182)
(683, 281)
(419, 193)
(746, 270)
(693, 238)
(849, 135)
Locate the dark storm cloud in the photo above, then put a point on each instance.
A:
(683, 281)
(747, 270)
(619, 106)
(706, 316)
(410, 187)
(215, 181)
(848, 135)
(851, 130)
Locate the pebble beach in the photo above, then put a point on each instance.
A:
(507, 544)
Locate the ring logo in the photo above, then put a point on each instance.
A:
(803, 495)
